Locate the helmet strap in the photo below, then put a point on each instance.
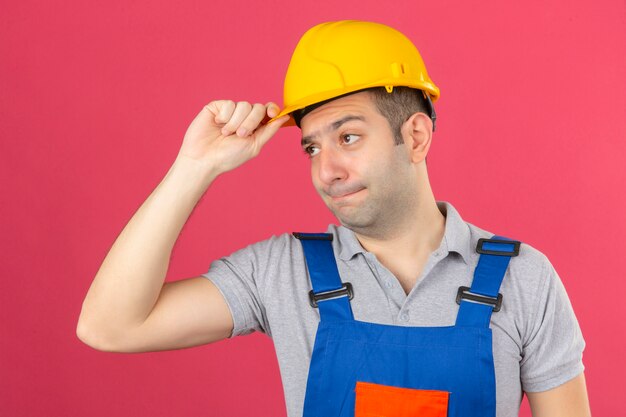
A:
(431, 108)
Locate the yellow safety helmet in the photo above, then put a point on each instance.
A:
(336, 58)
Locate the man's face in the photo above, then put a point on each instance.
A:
(363, 177)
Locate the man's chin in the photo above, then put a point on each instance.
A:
(352, 222)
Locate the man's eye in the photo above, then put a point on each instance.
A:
(311, 150)
(349, 138)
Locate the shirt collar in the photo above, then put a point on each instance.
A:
(456, 236)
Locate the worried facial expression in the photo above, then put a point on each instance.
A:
(362, 176)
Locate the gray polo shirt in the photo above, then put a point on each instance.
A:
(537, 342)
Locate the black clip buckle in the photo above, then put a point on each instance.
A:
(346, 289)
(515, 243)
(312, 236)
(465, 294)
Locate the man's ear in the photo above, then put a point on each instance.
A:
(417, 133)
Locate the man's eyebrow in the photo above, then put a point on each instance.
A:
(330, 128)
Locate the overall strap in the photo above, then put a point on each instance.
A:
(482, 299)
(329, 294)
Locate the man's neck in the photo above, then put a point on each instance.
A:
(421, 235)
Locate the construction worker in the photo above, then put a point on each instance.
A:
(404, 309)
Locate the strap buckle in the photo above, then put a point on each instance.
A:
(464, 293)
(312, 236)
(499, 247)
(345, 290)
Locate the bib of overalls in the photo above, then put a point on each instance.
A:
(366, 369)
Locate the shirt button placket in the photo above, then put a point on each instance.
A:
(404, 316)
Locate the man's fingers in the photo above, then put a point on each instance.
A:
(252, 121)
(242, 110)
(272, 109)
(225, 109)
(265, 133)
(244, 119)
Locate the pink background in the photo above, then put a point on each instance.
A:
(94, 102)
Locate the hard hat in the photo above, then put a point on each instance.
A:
(336, 58)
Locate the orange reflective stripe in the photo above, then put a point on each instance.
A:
(374, 400)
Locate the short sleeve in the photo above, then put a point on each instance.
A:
(553, 348)
(239, 277)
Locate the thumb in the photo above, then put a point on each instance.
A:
(265, 133)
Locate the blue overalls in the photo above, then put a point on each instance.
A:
(369, 369)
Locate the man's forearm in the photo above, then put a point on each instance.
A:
(130, 279)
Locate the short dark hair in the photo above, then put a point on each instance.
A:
(398, 106)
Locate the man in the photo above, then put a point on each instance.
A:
(404, 309)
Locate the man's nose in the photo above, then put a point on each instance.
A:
(331, 166)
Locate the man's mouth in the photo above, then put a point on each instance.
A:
(343, 195)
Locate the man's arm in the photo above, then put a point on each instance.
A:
(567, 400)
(128, 308)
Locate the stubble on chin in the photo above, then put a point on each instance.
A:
(360, 219)
(380, 218)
